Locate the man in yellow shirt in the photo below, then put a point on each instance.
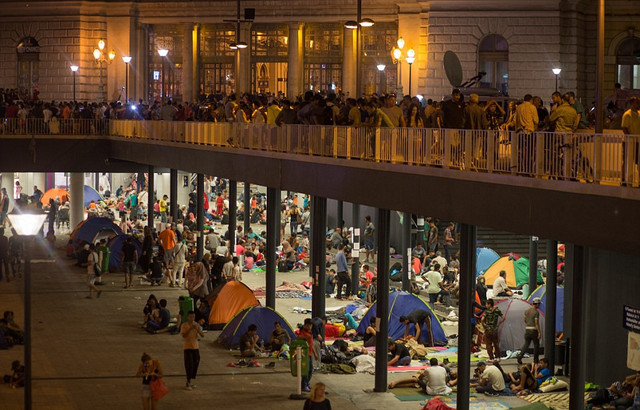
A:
(191, 332)
(630, 126)
(163, 209)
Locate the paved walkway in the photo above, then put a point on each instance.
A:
(86, 352)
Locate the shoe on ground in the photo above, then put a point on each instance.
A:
(306, 389)
(193, 386)
(490, 394)
(188, 387)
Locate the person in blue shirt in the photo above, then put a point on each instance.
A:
(343, 273)
(532, 378)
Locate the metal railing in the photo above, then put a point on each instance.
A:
(586, 157)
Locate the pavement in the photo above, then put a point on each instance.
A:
(86, 351)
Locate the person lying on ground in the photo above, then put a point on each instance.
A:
(398, 354)
(433, 380)
(491, 380)
(532, 377)
(249, 342)
(279, 337)
(159, 323)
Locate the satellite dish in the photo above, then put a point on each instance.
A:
(453, 69)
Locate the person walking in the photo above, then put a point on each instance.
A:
(93, 267)
(532, 331)
(191, 331)
(491, 321)
(369, 231)
(129, 259)
(149, 370)
(343, 273)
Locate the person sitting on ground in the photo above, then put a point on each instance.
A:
(619, 394)
(491, 380)
(159, 323)
(16, 378)
(151, 309)
(249, 342)
(372, 292)
(500, 287)
(433, 380)
(422, 322)
(398, 354)
(370, 334)
(332, 280)
(11, 329)
(279, 337)
(532, 377)
(156, 271)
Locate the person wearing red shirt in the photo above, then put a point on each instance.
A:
(305, 334)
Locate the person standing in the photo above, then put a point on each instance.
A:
(630, 127)
(149, 370)
(491, 321)
(369, 231)
(37, 196)
(163, 208)
(129, 259)
(93, 265)
(343, 273)
(191, 331)
(532, 331)
(133, 205)
(167, 239)
(4, 255)
(53, 212)
(4, 205)
(306, 335)
(448, 241)
(179, 261)
(147, 249)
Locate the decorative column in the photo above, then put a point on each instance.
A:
(406, 252)
(243, 61)
(355, 253)
(187, 63)
(7, 184)
(349, 63)
(77, 199)
(247, 207)
(296, 61)
(533, 263)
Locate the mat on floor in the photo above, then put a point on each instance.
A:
(477, 402)
(558, 401)
(412, 368)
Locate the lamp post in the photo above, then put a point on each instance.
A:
(163, 52)
(100, 57)
(396, 55)
(127, 60)
(357, 25)
(74, 70)
(557, 71)
(411, 57)
(27, 226)
(381, 68)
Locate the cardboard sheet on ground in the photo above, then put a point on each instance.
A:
(558, 401)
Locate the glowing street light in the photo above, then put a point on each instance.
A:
(163, 52)
(126, 60)
(557, 72)
(411, 58)
(74, 70)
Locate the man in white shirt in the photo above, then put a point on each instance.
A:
(491, 380)
(436, 379)
(500, 287)
(212, 241)
(179, 261)
(435, 284)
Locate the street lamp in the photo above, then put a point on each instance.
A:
(74, 70)
(163, 52)
(396, 56)
(127, 60)
(411, 58)
(100, 57)
(27, 226)
(381, 68)
(357, 25)
(557, 71)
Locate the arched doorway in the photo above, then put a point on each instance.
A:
(628, 63)
(28, 51)
(493, 59)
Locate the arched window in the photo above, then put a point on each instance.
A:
(628, 61)
(493, 59)
(28, 51)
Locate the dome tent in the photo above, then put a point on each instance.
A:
(511, 331)
(262, 317)
(227, 300)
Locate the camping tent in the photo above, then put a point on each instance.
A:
(91, 194)
(517, 269)
(263, 317)
(541, 292)
(511, 331)
(227, 300)
(115, 247)
(402, 304)
(485, 257)
(54, 193)
(89, 229)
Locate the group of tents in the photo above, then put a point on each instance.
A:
(63, 195)
(490, 264)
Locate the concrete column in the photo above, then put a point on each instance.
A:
(295, 83)
(467, 292)
(247, 206)
(243, 61)
(575, 269)
(551, 304)
(173, 194)
(233, 214)
(533, 263)
(340, 214)
(349, 63)
(76, 210)
(150, 196)
(318, 252)
(273, 228)
(382, 310)
(187, 63)
(420, 233)
(406, 251)
(200, 216)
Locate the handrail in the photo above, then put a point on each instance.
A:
(583, 157)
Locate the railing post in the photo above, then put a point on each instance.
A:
(513, 137)
(491, 150)
(348, 143)
(539, 157)
(447, 148)
(597, 158)
(335, 142)
(467, 148)
(378, 146)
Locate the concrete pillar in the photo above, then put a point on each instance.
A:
(575, 269)
(406, 251)
(349, 63)
(76, 210)
(187, 63)
(340, 214)
(318, 252)
(551, 303)
(420, 233)
(533, 263)
(243, 61)
(273, 228)
(295, 83)
(173, 194)
(200, 216)
(382, 310)
(233, 215)
(247, 207)
(467, 292)
(150, 196)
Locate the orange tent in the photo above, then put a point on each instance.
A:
(53, 194)
(227, 300)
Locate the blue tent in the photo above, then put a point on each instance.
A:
(87, 230)
(402, 304)
(91, 194)
(261, 316)
(485, 257)
(115, 246)
(541, 292)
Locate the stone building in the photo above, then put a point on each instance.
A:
(298, 45)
